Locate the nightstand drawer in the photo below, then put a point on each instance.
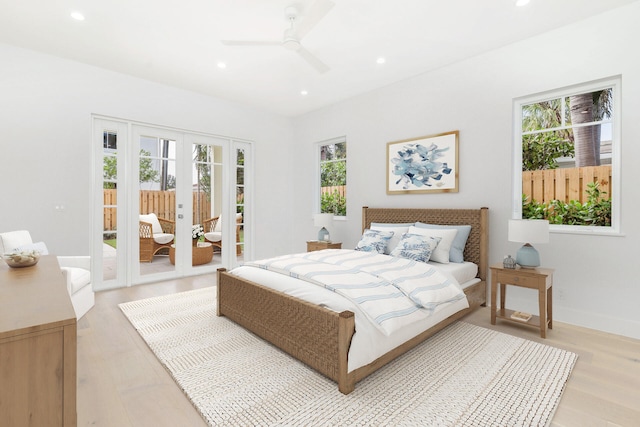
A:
(320, 245)
(517, 279)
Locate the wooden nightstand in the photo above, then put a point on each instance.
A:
(532, 278)
(315, 245)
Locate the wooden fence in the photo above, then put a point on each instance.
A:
(341, 189)
(565, 184)
(162, 203)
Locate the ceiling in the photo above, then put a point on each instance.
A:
(179, 43)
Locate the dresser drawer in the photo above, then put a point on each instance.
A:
(517, 279)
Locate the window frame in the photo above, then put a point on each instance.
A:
(615, 83)
(318, 171)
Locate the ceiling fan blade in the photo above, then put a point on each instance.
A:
(312, 16)
(312, 60)
(251, 42)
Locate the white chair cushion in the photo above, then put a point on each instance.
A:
(213, 236)
(77, 278)
(153, 220)
(162, 238)
(14, 239)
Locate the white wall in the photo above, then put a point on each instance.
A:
(596, 282)
(45, 147)
(45, 156)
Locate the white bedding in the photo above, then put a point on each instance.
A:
(368, 342)
(464, 272)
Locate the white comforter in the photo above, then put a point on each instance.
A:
(369, 342)
(392, 292)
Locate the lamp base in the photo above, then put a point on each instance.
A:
(528, 257)
(323, 235)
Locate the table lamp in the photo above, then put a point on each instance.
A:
(323, 220)
(528, 231)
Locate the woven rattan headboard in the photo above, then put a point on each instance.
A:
(477, 248)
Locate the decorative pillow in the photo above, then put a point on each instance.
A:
(415, 247)
(456, 254)
(398, 231)
(441, 253)
(374, 241)
(153, 220)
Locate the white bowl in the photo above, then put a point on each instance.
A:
(21, 259)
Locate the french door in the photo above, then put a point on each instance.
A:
(169, 203)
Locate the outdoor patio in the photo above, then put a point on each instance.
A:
(160, 263)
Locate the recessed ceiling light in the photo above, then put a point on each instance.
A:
(77, 16)
(304, 92)
(381, 60)
(222, 65)
(522, 2)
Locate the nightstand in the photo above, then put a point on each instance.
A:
(532, 278)
(316, 245)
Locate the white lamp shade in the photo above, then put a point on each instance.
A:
(323, 219)
(529, 230)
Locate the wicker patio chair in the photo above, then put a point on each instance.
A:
(213, 232)
(155, 234)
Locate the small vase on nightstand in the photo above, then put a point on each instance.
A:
(509, 262)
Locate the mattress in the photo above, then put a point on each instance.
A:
(465, 273)
(368, 342)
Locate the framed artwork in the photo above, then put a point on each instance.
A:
(428, 164)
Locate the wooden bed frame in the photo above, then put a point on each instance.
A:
(320, 337)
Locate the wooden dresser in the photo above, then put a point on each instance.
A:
(38, 347)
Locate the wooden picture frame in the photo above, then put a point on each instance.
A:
(428, 164)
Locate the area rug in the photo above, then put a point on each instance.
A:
(465, 375)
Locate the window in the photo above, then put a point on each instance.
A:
(566, 163)
(109, 140)
(333, 176)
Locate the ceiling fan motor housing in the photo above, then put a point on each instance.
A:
(290, 41)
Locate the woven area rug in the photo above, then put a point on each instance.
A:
(464, 376)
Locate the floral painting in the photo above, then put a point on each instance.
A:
(423, 165)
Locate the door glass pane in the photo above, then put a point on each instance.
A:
(240, 191)
(205, 235)
(109, 205)
(157, 198)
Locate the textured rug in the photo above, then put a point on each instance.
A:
(464, 376)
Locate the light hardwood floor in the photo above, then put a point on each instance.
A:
(121, 383)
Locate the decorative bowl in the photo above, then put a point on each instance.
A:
(21, 259)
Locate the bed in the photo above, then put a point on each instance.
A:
(321, 337)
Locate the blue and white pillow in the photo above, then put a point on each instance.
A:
(416, 247)
(374, 241)
(398, 230)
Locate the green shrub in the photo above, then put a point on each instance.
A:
(333, 203)
(595, 211)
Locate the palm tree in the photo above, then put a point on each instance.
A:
(587, 108)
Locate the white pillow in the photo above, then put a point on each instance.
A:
(218, 227)
(441, 253)
(153, 220)
(398, 231)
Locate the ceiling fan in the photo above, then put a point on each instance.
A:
(299, 27)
